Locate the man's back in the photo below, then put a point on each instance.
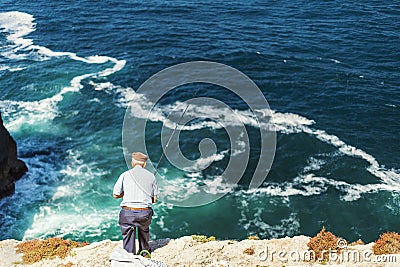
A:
(139, 187)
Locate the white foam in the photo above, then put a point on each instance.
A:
(290, 123)
(202, 163)
(16, 69)
(28, 113)
(391, 105)
(41, 176)
(51, 218)
(53, 222)
(254, 224)
(287, 123)
(313, 164)
(17, 25)
(4, 67)
(394, 204)
(217, 185)
(37, 112)
(180, 189)
(241, 147)
(283, 122)
(94, 100)
(388, 177)
(118, 64)
(76, 168)
(183, 187)
(307, 185)
(287, 189)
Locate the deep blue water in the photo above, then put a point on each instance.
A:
(329, 70)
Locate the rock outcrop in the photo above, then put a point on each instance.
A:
(185, 251)
(11, 168)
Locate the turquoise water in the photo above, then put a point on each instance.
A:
(329, 71)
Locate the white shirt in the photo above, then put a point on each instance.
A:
(139, 187)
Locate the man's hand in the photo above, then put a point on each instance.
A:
(154, 199)
(118, 196)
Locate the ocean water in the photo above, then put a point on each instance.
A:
(329, 70)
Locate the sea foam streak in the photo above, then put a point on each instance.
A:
(17, 25)
(286, 123)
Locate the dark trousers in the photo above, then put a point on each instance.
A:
(129, 220)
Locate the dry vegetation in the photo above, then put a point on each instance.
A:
(358, 242)
(388, 243)
(249, 251)
(36, 249)
(323, 242)
(253, 237)
(320, 245)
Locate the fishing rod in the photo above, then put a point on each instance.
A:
(170, 138)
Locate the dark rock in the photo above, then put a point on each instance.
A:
(11, 168)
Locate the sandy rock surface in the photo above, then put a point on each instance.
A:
(8, 255)
(185, 251)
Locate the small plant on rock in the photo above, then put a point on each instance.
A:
(203, 238)
(249, 251)
(388, 243)
(322, 244)
(358, 242)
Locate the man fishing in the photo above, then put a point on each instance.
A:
(138, 188)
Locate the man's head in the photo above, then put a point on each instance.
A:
(139, 158)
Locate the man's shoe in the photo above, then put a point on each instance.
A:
(145, 254)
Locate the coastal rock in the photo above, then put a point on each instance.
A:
(11, 168)
(187, 252)
(287, 251)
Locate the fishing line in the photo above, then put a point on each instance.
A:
(173, 132)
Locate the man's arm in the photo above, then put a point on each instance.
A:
(118, 196)
(118, 190)
(155, 191)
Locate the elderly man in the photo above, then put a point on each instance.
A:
(138, 188)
